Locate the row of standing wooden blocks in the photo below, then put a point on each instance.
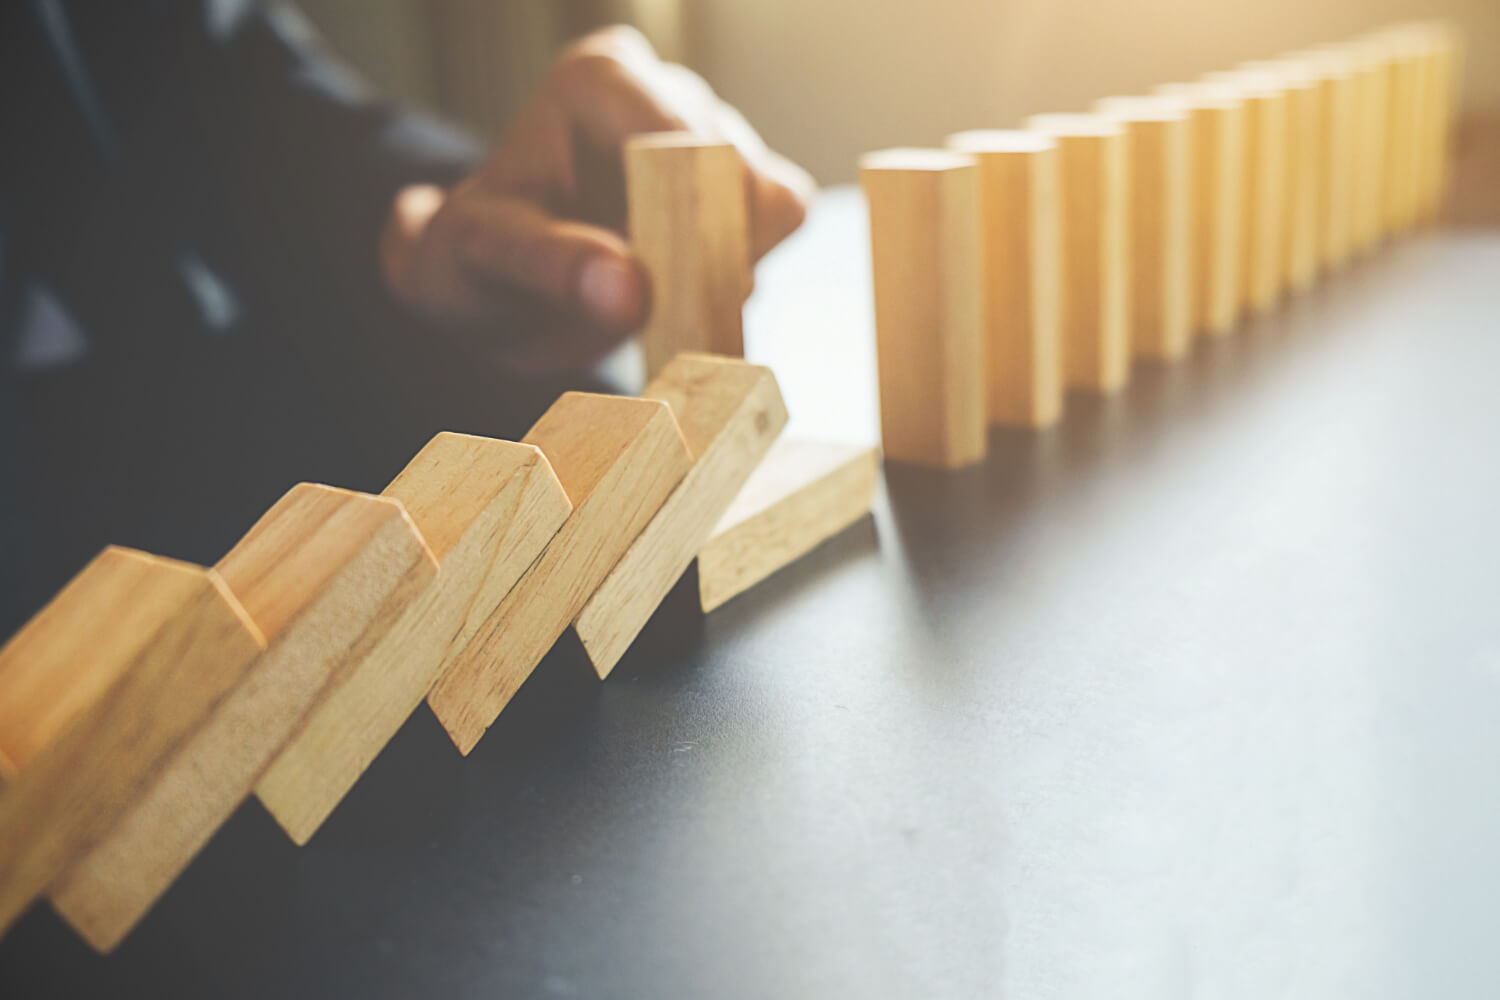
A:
(150, 697)
(1013, 265)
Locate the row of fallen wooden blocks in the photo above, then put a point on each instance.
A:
(151, 697)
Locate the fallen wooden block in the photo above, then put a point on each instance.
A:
(1261, 268)
(730, 412)
(929, 304)
(322, 575)
(1093, 153)
(487, 509)
(1305, 137)
(1218, 191)
(100, 688)
(618, 459)
(1019, 180)
(803, 494)
(1161, 224)
(689, 226)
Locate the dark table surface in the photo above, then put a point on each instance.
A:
(1195, 695)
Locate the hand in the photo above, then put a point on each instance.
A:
(527, 256)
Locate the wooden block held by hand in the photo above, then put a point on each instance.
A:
(1161, 222)
(1218, 186)
(322, 575)
(689, 225)
(487, 509)
(803, 494)
(929, 304)
(1094, 155)
(1018, 177)
(729, 412)
(618, 459)
(101, 687)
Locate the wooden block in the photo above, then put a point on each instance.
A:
(689, 225)
(1371, 88)
(929, 304)
(322, 575)
(803, 494)
(1218, 185)
(1094, 159)
(1446, 47)
(1333, 71)
(618, 459)
(100, 688)
(1266, 169)
(1161, 223)
(1399, 66)
(487, 509)
(1304, 141)
(730, 412)
(1406, 137)
(1022, 253)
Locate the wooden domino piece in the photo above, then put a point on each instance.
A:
(100, 688)
(929, 304)
(689, 226)
(1161, 224)
(618, 459)
(1022, 252)
(1332, 71)
(487, 509)
(1404, 125)
(1093, 156)
(1261, 267)
(1304, 141)
(1371, 93)
(322, 575)
(803, 494)
(1218, 184)
(1443, 106)
(730, 413)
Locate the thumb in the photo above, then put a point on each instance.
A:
(587, 271)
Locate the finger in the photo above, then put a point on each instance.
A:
(586, 271)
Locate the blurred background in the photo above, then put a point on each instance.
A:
(825, 80)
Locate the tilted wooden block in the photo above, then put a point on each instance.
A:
(618, 459)
(100, 688)
(1304, 141)
(1333, 72)
(729, 412)
(322, 575)
(487, 508)
(689, 225)
(1161, 224)
(929, 304)
(803, 494)
(1094, 155)
(1018, 177)
(1218, 189)
(1266, 168)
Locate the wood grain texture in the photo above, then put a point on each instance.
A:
(323, 574)
(1262, 269)
(1094, 157)
(730, 412)
(618, 459)
(102, 686)
(1161, 222)
(1022, 253)
(689, 226)
(1218, 192)
(927, 263)
(487, 509)
(803, 494)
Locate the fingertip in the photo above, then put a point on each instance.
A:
(613, 290)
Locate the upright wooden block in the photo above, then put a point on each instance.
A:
(1304, 141)
(1218, 184)
(100, 688)
(803, 494)
(730, 412)
(1404, 141)
(618, 459)
(929, 304)
(1445, 43)
(1161, 224)
(1333, 71)
(487, 509)
(1266, 168)
(689, 225)
(322, 575)
(1372, 94)
(1094, 157)
(1022, 252)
